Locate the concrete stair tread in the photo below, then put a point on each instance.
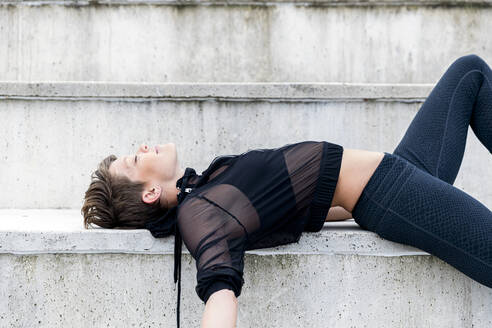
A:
(305, 91)
(84, 3)
(33, 231)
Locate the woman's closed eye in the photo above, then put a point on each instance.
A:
(135, 159)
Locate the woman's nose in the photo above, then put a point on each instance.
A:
(143, 148)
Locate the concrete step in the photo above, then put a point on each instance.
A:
(55, 134)
(56, 274)
(390, 41)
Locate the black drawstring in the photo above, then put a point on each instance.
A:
(182, 184)
(177, 267)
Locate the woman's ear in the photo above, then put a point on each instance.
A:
(151, 194)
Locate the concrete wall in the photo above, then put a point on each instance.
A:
(53, 139)
(311, 41)
(56, 274)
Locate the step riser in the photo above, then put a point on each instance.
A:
(284, 42)
(281, 290)
(49, 148)
(51, 270)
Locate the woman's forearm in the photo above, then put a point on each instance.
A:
(220, 310)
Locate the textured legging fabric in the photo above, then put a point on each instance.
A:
(410, 198)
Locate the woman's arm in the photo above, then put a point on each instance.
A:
(220, 310)
(338, 213)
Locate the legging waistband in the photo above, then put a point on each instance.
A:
(382, 188)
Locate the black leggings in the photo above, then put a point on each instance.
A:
(410, 198)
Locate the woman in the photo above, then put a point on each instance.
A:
(268, 197)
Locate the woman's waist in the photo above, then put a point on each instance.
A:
(356, 169)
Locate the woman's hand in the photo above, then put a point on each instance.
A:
(220, 310)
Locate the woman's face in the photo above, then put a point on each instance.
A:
(156, 165)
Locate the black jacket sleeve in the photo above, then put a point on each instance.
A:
(217, 241)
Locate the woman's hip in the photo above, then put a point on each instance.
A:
(404, 204)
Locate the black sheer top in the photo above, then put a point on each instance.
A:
(260, 198)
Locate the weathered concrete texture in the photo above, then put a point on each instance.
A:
(62, 231)
(54, 273)
(61, 275)
(342, 276)
(280, 290)
(79, 3)
(48, 148)
(278, 42)
(228, 91)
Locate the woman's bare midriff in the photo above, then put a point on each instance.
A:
(356, 169)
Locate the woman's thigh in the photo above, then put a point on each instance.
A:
(404, 204)
(435, 139)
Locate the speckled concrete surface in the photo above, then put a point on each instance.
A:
(53, 273)
(280, 290)
(54, 140)
(62, 231)
(394, 41)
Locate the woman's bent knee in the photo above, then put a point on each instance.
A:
(470, 61)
